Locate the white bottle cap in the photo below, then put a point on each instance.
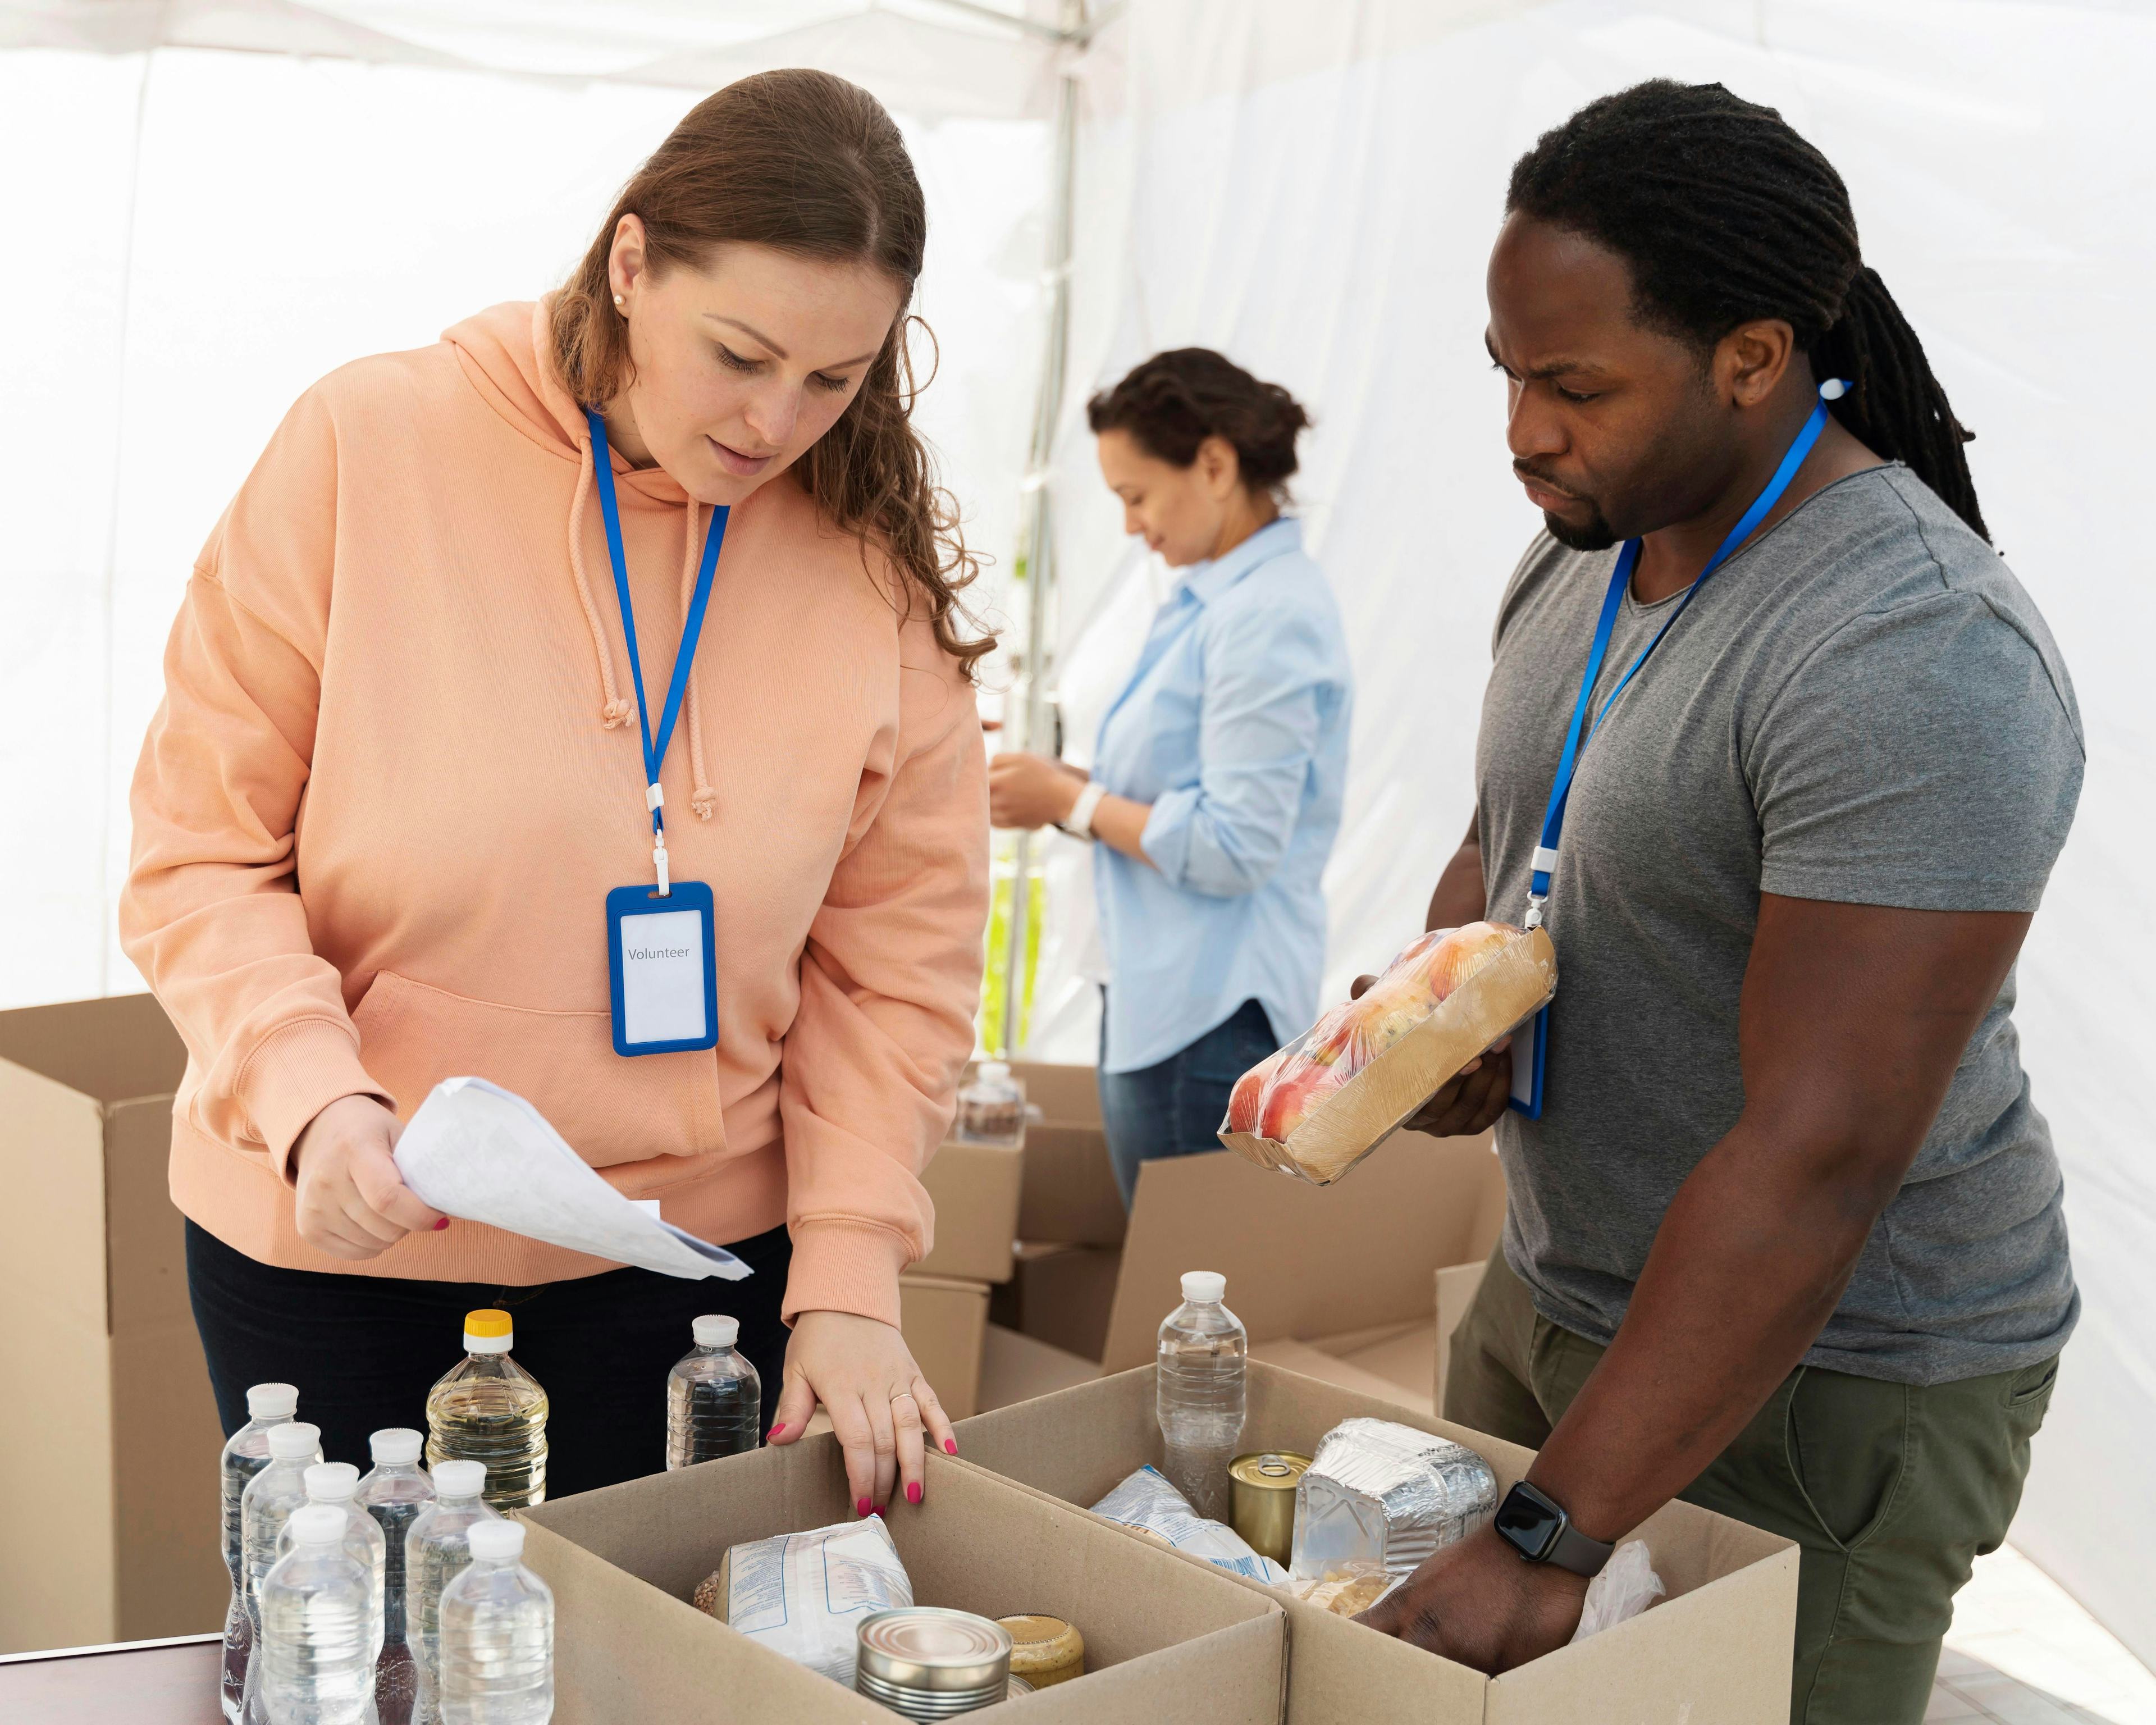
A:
(991, 1072)
(272, 1401)
(496, 1541)
(294, 1439)
(1206, 1286)
(715, 1331)
(319, 1524)
(488, 1331)
(395, 1446)
(459, 1479)
(331, 1481)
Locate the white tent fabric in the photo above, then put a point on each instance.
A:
(1307, 184)
(1313, 189)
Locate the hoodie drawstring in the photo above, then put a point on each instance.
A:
(702, 798)
(614, 709)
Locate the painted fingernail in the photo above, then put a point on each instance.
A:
(771, 1436)
(913, 1492)
(950, 1446)
(441, 1224)
(877, 1513)
(861, 1506)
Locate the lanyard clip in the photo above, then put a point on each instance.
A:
(1536, 900)
(658, 862)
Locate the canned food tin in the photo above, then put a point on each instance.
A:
(930, 1663)
(1045, 1649)
(1262, 1493)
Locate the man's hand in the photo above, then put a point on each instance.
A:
(1479, 1603)
(1472, 1099)
(352, 1203)
(1030, 791)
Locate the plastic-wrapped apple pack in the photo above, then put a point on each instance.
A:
(1380, 1492)
(1325, 1100)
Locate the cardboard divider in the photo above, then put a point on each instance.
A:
(1719, 1649)
(1164, 1641)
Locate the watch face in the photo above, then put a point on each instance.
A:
(1528, 1522)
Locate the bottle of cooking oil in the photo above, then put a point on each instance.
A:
(490, 1410)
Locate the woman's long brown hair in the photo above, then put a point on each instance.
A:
(809, 164)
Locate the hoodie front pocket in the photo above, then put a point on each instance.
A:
(611, 1110)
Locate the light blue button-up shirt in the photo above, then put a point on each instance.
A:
(1234, 728)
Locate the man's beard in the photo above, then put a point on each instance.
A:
(1594, 534)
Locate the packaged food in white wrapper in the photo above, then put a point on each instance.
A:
(805, 1594)
(1626, 1587)
(1148, 1502)
(1379, 1491)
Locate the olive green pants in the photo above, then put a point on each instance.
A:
(1892, 1489)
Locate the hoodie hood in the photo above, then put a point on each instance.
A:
(507, 352)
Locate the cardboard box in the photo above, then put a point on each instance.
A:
(1457, 1284)
(944, 1322)
(1164, 1641)
(1303, 1262)
(1069, 1197)
(1392, 1365)
(1377, 1101)
(1061, 1295)
(1717, 1649)
(109, 1531)
(975, 1189)
(1016, 1368)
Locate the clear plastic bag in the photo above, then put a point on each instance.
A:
(1626, 1587)
(1347, 1590)
(1275, 1095)
(805, 1594)
(1148, 1503)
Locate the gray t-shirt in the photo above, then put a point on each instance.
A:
(1861, 705)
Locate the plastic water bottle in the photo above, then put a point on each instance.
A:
(714, 1398)
(265, 1506)
(317, 1668)
(394, 1493)
(991, 1108)
(336, 1484)
(435, 1549)
(497, 1636)
(1198, 1388)
(246, 1454)
(490, 1409)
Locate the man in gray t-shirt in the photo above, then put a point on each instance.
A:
(1785, 1237)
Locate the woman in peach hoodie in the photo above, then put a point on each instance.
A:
(400, 768)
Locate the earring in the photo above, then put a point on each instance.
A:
(619, 303)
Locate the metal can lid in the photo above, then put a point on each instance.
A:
(933, 1648)
(1018, 1686)
(1268, 1469)
(1041, 1644)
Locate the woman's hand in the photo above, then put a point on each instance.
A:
(1473, 1099)
(1031, 790)
(351, 1202)
(881, 1408)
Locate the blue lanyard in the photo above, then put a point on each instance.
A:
(1620, 578)
(692, 628)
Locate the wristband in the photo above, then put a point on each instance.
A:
(1079, 823)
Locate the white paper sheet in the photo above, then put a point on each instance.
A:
(481, 1153)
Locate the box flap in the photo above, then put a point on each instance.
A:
(1301, 1261)
(1070, 1195)
(1066, 1096)
(1016, 1368)
(113, 1049)
(975, 1189)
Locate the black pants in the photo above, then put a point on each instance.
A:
(364, 1350)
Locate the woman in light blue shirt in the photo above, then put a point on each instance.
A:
(1216, 786)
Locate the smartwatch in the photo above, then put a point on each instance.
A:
(1536, 1526)
(1079, 823)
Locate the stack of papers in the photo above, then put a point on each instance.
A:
(481, 1153)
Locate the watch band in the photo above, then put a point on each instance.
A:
(1079, 823)
(1538, 1526)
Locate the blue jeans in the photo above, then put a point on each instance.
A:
(1175, 1108)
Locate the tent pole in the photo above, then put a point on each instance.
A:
(1037, 516)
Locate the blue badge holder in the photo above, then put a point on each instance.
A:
(629, 902)
(1528, 1073)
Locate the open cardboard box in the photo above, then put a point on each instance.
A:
(945, 1322)
(1717, 1651)
(1164, 1641)
(1068, 1196)
(1348, 1124)
(110, 1530)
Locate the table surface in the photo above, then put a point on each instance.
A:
(175, 1684)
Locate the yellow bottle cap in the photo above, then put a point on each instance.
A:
(488, 1332)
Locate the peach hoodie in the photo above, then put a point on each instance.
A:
(396, 770)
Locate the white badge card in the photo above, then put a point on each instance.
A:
(664, 971)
